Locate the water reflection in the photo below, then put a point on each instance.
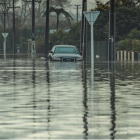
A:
(52, 100)
(48, 99)
(34, 95)
(112, 100)
(85, 100)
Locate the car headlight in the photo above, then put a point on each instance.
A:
(79, 58)
(55, 58)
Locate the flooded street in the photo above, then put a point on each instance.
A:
(55, 100)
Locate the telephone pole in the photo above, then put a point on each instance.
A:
(77, 8)
(111, 33)
(4, 13)
(4, 33)
(14, 29)
(83, 42)
(47, 29)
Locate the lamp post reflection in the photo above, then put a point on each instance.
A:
(14, 90)
(85, 101)
(48, 97)
(112, 102)
(34, 94)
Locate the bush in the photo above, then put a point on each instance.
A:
(129, 45)
(124, 44)
(136, 45)
(134, 34)
(57, 38)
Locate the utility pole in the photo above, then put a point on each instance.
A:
(83, 42)
(4, 5)
(47, 29)
(33, 51)
(14, 29)
(4, 34)
(111, 33)
(77, 8)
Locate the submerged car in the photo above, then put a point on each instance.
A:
(65, 53)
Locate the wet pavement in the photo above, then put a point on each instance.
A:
(55, 100)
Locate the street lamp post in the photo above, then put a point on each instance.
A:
(111, 33)
(83, 30)
(46, 49)
(14, 32)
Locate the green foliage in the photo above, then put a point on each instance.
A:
(127, 18)
(134, 34)
(129, 44)
(101, 6)
(101, 26)
(124, 44)
(57, 38)
(136, 45)
(73, 36)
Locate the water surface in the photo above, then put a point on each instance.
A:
(55, 100)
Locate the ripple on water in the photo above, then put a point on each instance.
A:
(55, 100)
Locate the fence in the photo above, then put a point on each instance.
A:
(127, 56)
(100, 48)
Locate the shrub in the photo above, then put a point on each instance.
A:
(124, 44)
(129, 44)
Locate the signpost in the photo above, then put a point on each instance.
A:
(91, 17)
(4, 44)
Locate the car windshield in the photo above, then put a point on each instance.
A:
(72, 50)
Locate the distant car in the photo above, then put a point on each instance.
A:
(65, 53)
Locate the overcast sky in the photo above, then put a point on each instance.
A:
(90, 4)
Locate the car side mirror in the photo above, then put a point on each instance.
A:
(50, 51)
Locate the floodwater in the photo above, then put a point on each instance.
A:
(56, 100)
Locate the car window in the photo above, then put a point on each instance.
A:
(72, 50)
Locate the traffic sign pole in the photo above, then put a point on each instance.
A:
(4, 48)
(4, 44)
(92, 53)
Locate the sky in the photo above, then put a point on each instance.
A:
(90, 4)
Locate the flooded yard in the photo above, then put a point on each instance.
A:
(55, 100)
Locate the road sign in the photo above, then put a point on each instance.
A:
(91, 16)
(5, 35)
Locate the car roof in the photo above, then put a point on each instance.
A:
(64, 46)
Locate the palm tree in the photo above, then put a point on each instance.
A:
(59, 11)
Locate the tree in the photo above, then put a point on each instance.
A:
(57, 38)
(127, 18)
(73, 36)
(59, 11)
